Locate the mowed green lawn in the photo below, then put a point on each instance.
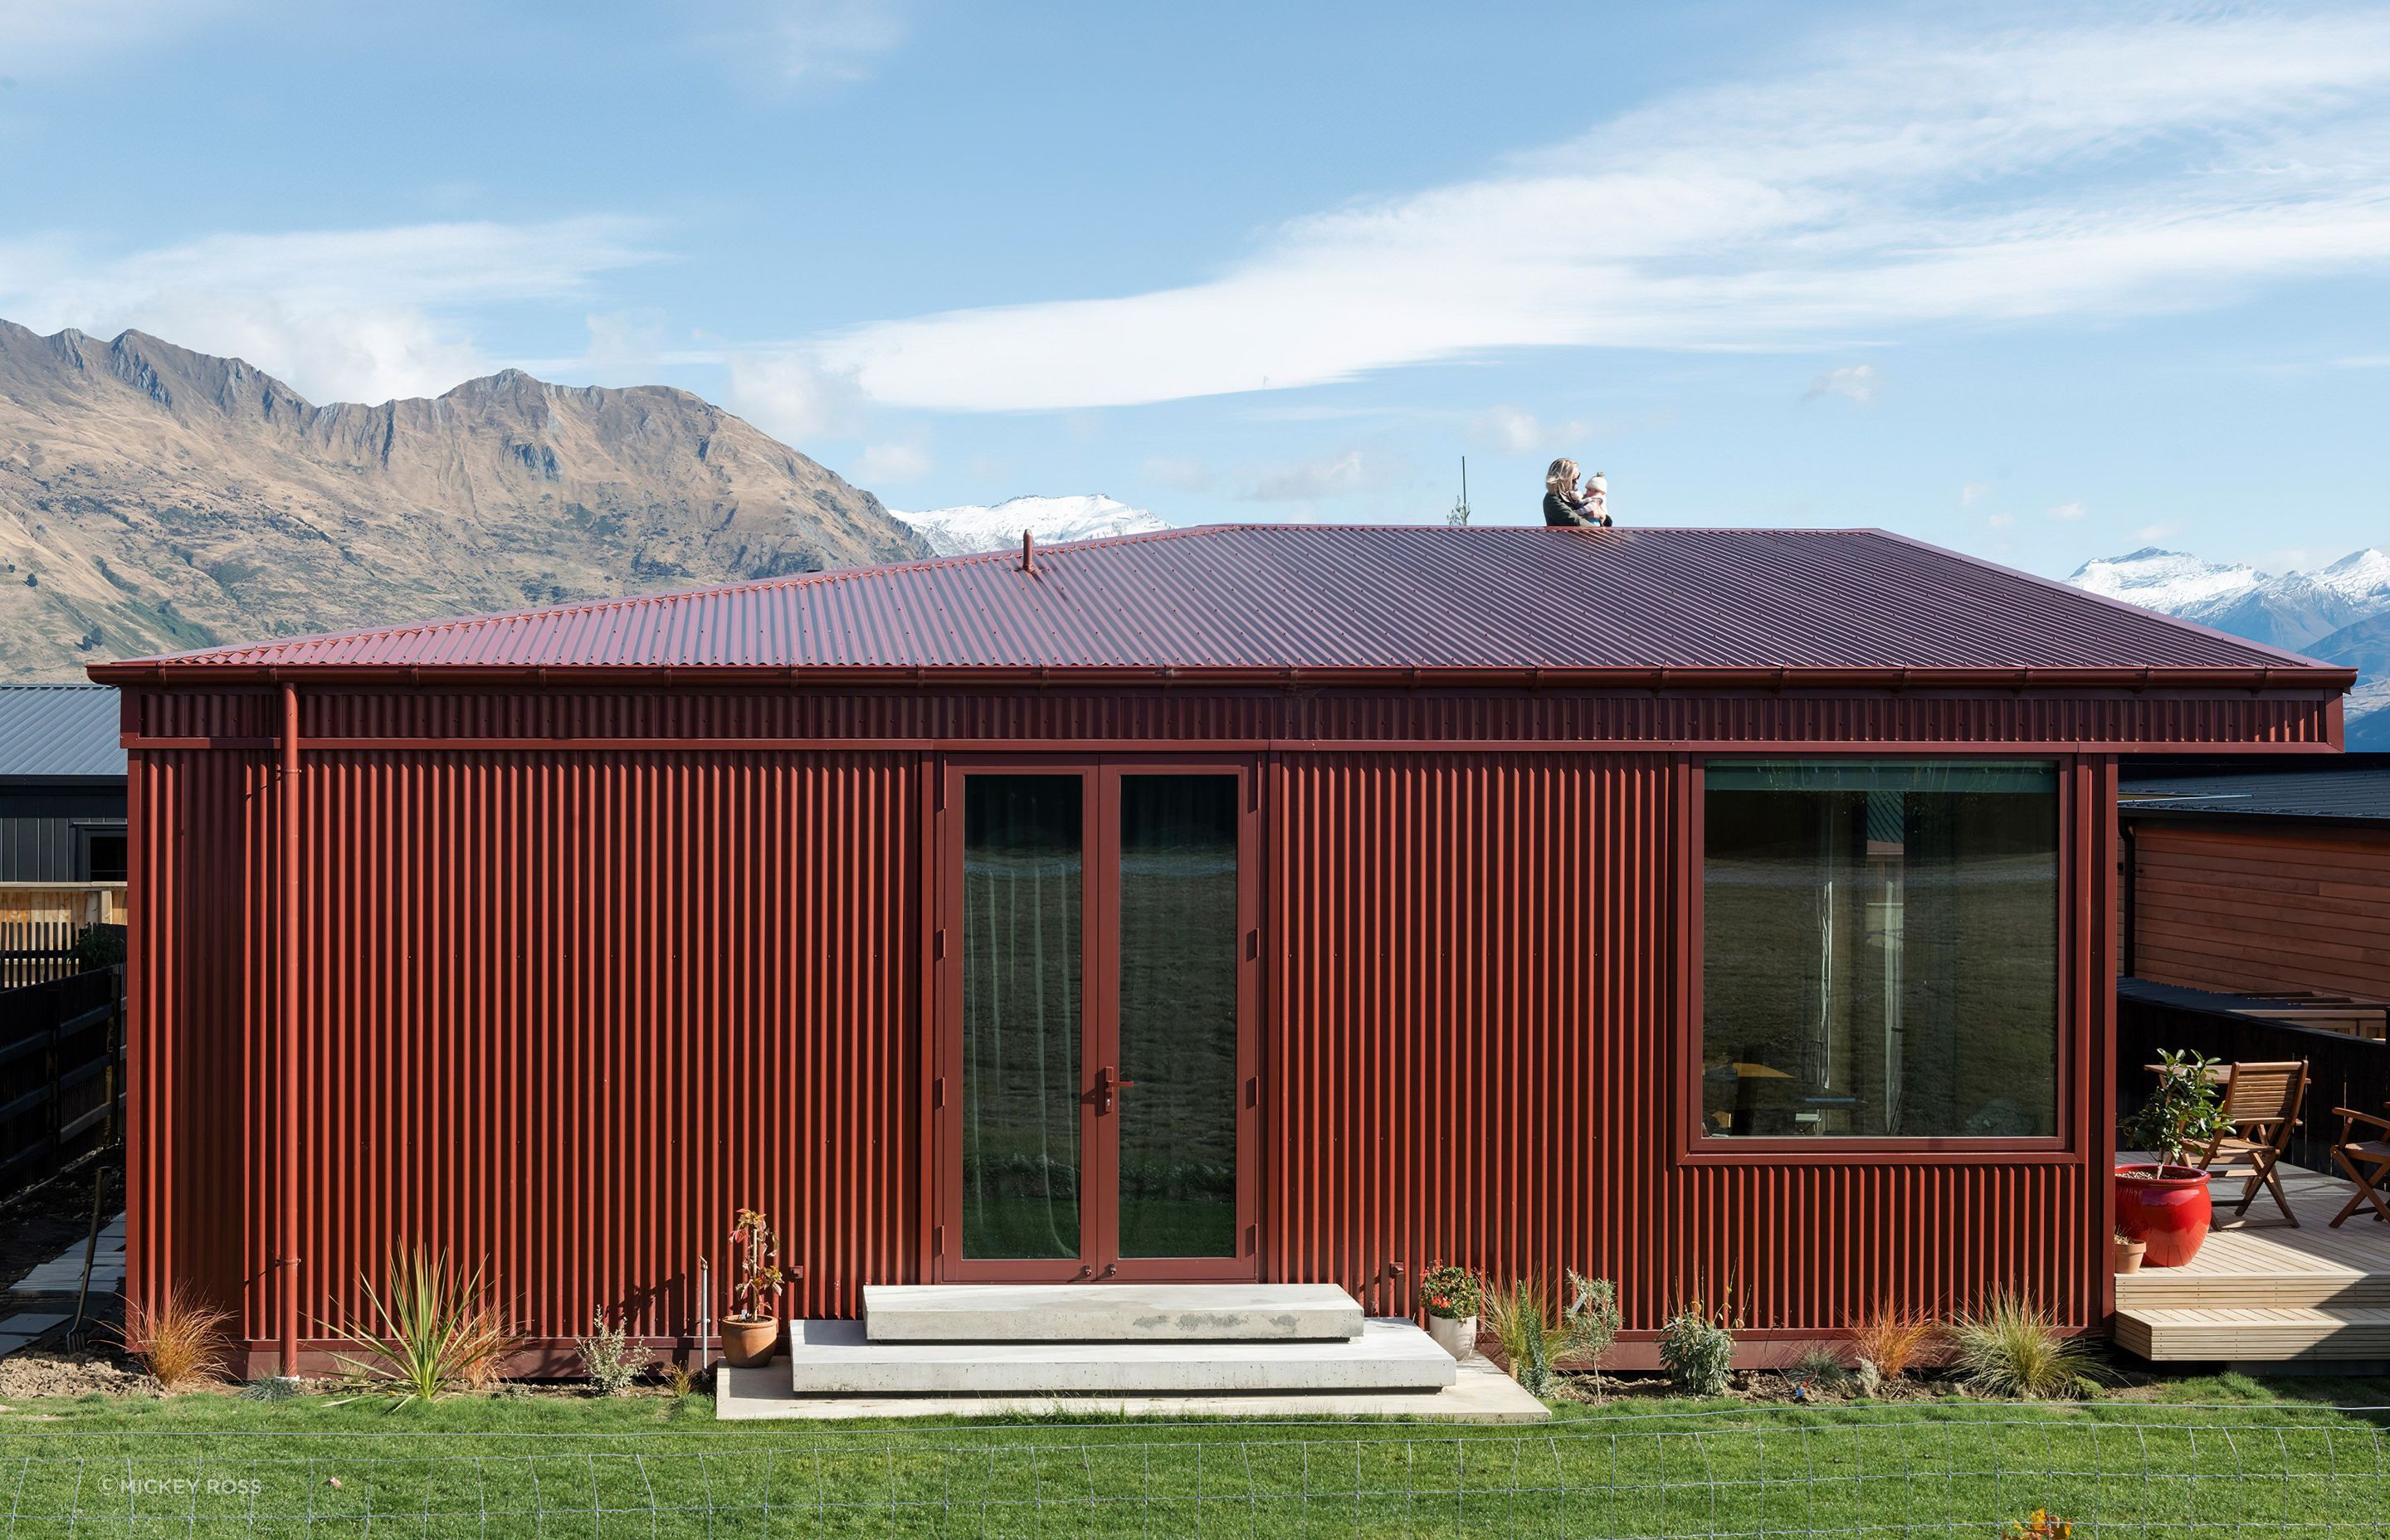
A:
(201, 1466)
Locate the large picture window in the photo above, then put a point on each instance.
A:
(1879, 949)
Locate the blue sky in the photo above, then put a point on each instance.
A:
(2042, 284)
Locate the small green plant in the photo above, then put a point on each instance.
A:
(609, 1359)
(2012, 1347)
(1534, 1344)
(432, 1329)
(1823, 1367)
(1697, 1350)
(756, 1267)
(2183, 1113)
(1452, 1292)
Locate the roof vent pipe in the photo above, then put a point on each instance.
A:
(1028, 551)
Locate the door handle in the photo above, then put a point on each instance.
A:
(1105, 1094)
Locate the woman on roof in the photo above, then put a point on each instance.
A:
(1563, 503)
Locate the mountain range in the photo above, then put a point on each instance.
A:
(973, 526)
(2336, 614)
(154, 499)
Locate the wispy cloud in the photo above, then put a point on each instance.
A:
(40, 36)
(804, 44)
(348, 315)
(1973, 492)
(1899, 180)
(2068, 513)
(1857, 381)
(892, 463)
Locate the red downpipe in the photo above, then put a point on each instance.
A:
(289, 1054)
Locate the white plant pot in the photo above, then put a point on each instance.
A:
(1457, 1336)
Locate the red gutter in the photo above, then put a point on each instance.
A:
(199, 673)
(289, 1024)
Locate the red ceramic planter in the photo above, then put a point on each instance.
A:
(2166, 1206)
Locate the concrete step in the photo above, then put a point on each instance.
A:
(2256, 1336)
(1109, 1313)
(837, 1358)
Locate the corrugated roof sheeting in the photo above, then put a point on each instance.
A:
(1346, 597)
(60, 730)
(2355, 788)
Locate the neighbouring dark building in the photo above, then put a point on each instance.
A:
(62, 789)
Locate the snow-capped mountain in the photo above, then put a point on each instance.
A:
(2288, 610)
(959, 531)
(2336, 614)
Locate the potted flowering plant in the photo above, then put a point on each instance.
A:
(2166, 1204)
(1451, 1295)
(751, 1329)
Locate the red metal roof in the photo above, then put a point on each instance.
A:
(1329, 598)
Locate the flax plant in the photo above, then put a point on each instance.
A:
(435, 1330)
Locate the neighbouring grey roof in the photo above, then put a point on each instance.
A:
(2342, 788)
(60, 730)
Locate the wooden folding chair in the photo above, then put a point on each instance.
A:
(2261, 1109)
(2367, 1161)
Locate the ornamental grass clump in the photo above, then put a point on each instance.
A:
(1890, 1342)
(184, 1342)
(1534, 1344)
(432, 1330)
(2012, 1347)
(1697, 1350)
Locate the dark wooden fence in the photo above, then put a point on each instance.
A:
(62, 1072)
(2342, 1070)
(35, 951)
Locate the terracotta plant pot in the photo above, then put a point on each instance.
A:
(749, 1344)
(1456, 1334)
(2129, 1255)
(2165, 1206)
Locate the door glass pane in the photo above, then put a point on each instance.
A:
(1022, 895)
(1178, 1016)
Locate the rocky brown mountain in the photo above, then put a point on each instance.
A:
(152, 499)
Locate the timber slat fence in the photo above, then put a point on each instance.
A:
(62, 1072)
(35, 951)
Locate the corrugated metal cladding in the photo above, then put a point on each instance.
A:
(564, 1012)
(1474, 1037)
(565, 1009)
(1345, 596)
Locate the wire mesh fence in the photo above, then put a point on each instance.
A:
(2266, 1472)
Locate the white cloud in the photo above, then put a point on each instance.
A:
(1901, 180)
(1973, 492)
(41, 37)
(2067, 512)
(793, 396)
(339, 315)
(890, 463)
(1855, 380)
(2000, 521)
(1184, 472)
(1516, 432)
(1338, 475)
(801, 43)
(2152, 533)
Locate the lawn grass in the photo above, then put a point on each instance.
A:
(2225, 1456)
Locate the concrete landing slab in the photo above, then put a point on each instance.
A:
(1479, 1393)
(836, 1358)
(1108, 1313)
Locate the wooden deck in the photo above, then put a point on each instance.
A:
(2262, 1292)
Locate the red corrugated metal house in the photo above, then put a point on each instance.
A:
(1726, 912)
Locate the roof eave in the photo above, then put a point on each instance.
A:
(163, 672)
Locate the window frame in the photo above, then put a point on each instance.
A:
(1696, 1145)
(86, 831)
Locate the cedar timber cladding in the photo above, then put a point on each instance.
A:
(612, 920)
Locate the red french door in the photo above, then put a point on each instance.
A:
(1097, 992)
